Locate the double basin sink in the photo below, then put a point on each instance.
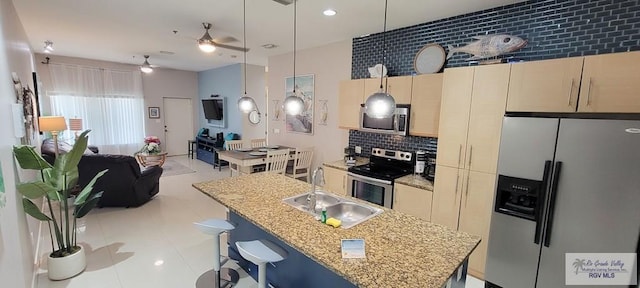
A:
(349, 212)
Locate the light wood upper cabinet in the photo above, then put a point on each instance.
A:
(457, 85)
(335, 180)
(350, 97)
(372, 85)
(413, 201)
(475, 215)
(489, 97)
(426, 94)
(545, 86)
(611, 83)
(447, 188)
(399, 87)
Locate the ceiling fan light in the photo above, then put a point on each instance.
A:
(206, 46)
(293, 105)
(146, 67)
(246, 104)
(380, 105)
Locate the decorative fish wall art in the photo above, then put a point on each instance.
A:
(489, 46)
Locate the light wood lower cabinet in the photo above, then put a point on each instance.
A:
(335, 180)
(475, 215)
(446, 196)
(413, 201)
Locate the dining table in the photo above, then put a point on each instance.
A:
(247, 158)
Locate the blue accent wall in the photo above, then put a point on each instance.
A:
(226, 82)
(368, 140)
(553, 29)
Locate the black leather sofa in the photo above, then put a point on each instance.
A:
(124, 185)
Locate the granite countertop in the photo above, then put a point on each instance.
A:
(401, 250)
(342, 166)
(415, 181)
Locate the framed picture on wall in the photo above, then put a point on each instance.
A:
(304, 88)
(154, 112)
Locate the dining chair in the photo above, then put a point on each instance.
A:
(277, 161)
(301, 164)
(231, 145)
(258, 143)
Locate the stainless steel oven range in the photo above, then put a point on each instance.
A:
(373, 182)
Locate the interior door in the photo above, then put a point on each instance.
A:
(596, 208)
(178, 125)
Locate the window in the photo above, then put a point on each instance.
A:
(110, 102)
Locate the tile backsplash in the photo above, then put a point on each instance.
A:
(553, 29)
(368, 140)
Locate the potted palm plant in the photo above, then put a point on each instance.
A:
(67, 259)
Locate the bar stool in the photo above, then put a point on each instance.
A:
(216, 227)
(260, 252)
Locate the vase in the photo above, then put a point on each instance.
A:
(61, 268)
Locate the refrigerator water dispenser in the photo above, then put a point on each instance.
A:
(518, 197)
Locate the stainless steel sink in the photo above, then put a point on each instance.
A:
(349, 212)
(323, 199)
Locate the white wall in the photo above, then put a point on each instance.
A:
(256, 82)
(169, 83)
(330, 64)
(156, 85)
(17, 240)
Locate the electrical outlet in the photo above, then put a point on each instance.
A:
(358, 150)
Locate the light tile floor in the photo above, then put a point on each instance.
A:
(155, 245)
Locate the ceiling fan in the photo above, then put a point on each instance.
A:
(208, 44)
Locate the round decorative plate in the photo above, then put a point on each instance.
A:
(257, 153)
(429, 59)
(244, 149)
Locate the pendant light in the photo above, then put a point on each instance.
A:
(381, 104)
(293, 104)
(146, 67)
(246, 104)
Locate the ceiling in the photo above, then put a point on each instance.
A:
(124, 30)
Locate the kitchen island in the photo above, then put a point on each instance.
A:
(401, 250)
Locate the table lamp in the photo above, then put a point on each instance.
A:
(75, 125)
(52, 124)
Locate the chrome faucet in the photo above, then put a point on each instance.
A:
(311, 199)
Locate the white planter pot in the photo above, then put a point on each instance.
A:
(67, 267)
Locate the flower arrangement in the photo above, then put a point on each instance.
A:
(151, 145)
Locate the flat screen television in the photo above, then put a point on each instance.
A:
(213, 108)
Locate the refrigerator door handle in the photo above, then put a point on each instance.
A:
(543, 192)
(552, 203)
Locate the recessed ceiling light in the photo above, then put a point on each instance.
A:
(329, 12)
(269, 46)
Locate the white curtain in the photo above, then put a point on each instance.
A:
(109, 102)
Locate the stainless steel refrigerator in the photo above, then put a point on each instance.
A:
(564, 186)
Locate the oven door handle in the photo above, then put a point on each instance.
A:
(369, 179)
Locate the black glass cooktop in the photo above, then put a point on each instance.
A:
(380, 171)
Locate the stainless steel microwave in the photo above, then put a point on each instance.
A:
(397, 124)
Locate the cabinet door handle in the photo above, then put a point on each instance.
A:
(459, 154)
(466, 191)
(570, 91)
(470, 154)
(589, 93)
(456, 191)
